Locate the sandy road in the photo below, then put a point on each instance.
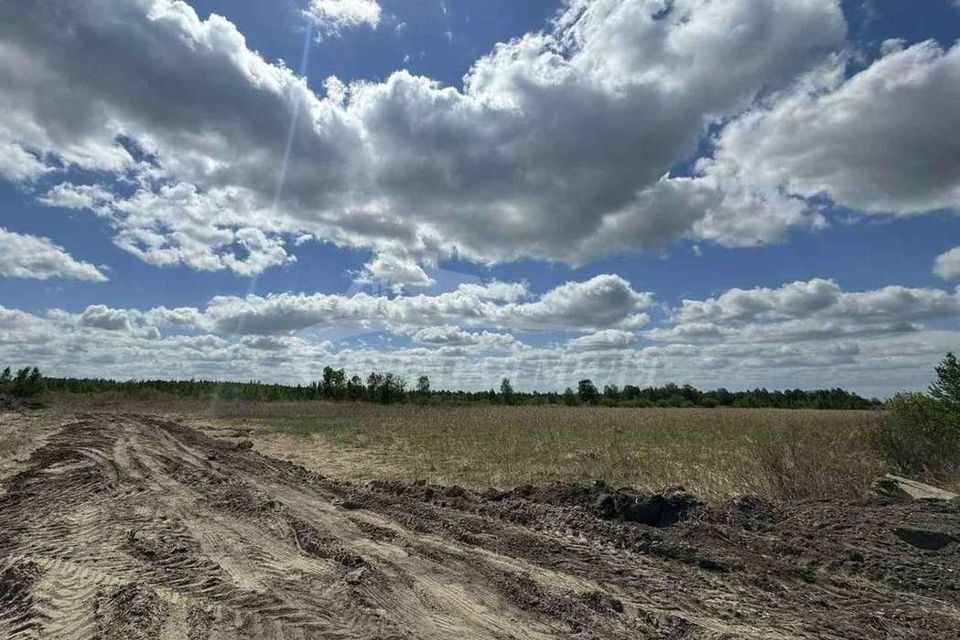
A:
(127, 526)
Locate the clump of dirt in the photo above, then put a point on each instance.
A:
(311, 541)
(655, 509)
(600, 601)
(240, 498)
(154, 546)
(925, 539)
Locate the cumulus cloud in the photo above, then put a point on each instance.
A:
(331, 17)
(449, 335)
(878, 142)
(947, 264)
(604, 301)
(878, 364)
(802, 334)
(602, 340)
(102, 317)
(496, 290)
(555, 147)
(395, 270)
(26, 256)
(823, 298)
(815, 310)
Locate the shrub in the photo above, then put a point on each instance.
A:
(919, 435)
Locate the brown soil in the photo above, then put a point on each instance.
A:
(129, 526)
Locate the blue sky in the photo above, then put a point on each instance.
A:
(733, 193)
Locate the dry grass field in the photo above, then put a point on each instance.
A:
(715, 453)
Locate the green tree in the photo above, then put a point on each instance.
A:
(423, 385)
(587, 391)
(333, 385)
(355, 388)
(946, 389)
(374, 382)
(506, 391)
(390, 389)
(28, 382)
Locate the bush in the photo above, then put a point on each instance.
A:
(919, 435)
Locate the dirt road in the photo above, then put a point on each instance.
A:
(126, 526)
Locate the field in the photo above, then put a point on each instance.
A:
(716, 453)
(178, 519)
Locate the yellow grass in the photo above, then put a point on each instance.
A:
(716, 453)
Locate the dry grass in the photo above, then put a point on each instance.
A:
(714, 452)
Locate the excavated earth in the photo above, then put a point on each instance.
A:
(138, 527)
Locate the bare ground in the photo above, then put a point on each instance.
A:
(134, 526)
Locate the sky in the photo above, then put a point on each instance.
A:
(725, 193)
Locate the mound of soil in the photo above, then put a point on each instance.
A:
(655, 509)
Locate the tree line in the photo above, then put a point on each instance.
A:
(386, 388)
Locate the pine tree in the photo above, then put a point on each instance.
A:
(946, 389)
(506, 391)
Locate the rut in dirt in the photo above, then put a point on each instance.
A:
(138, 527)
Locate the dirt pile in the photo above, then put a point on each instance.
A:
(655, 509)
(125, 526)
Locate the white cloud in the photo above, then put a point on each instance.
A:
(332, 17)
(26, 256)
(71, 196)
(100, 316)
(601, 302)
(449, 335)
(605, 301)
(806, 334)
(947, 264)
(608, 339)
(555, 148)
(803, 312)
(396, 270)
(173, 225)
(496, 290)
(820, 298)
(17, 164)
(881, 141)
(878, 365)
